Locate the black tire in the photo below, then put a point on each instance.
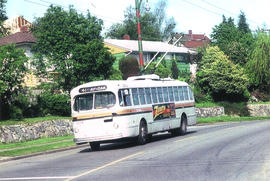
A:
(143, 133)
(183, 127)
(95, 146)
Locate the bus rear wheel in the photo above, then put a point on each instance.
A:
(95, 146)
(183, 127)
(143, 133)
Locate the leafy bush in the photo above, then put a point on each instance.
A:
(129, 66)
(161, 70)
(116, 75)
(235, 109)
(54, 104)
(221, 78)
(175, 70)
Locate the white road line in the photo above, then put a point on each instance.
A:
(104, 166)
(35, 178)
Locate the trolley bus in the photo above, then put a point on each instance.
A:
(111, 110)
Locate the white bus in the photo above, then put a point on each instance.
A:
(110, 110)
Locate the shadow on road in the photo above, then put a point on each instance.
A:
(132, 142)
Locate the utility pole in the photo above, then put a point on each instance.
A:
(138, 5)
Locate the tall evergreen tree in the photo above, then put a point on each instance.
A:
(243, 27)
(235, 41)
(3, 17)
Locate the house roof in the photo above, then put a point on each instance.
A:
(196, 44)
(148, 46)
(18, 38)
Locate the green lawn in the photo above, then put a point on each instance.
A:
(34, 146)
(32, 120)
(229, 119)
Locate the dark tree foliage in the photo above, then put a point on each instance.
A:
(129, 66)
(235, 41)
(71, 45)
(154, 24)
(13, 70)
(175, 70)
(3, 17)
(243, 27)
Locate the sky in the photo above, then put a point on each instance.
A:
(200, 16)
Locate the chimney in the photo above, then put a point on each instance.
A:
(126, 37)
(24, 29)
(190, 34)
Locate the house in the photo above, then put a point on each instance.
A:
(193, 41)
(22, 38)
(126, 47)
(15, 24)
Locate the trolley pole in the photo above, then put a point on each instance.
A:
(138, 5)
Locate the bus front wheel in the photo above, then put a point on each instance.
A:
(142, 138)
(95, 146)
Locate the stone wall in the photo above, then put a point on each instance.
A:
(15, 133)
(259, 109)
(210, 112)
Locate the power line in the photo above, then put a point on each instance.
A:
(107, 19)
(210, 11)
(234, 14)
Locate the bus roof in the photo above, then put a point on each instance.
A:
(131, 82)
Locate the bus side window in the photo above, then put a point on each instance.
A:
(191, 96)
(154, 94)
(176, 95)
(148, 96)
(160, 94)
(124, 97)
(185, 93)
(141, 95)
(165, 93)
(171, 94)
(135, 96)
(181, 94)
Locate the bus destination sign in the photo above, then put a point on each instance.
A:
(92, 89)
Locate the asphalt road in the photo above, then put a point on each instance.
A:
(221, 152)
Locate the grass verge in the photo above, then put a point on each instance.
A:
(32, 120)
(229, 119)
(34, 146)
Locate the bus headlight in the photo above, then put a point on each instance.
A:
(115, 125)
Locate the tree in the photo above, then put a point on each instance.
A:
(71, 45)
(236, 42)
(221, 78)
(154, 24)
(243, 27)
(3, 17)
(129, 66)
(259, 65)
(175, 70)
(13, 70)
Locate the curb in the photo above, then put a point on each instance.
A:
(41, 153)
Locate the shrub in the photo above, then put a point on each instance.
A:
(129, 66)
(221, 78)
(54, 104)
(235, 109)
(175, 70)
(161, 70)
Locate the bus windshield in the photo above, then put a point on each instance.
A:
(100, 100)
